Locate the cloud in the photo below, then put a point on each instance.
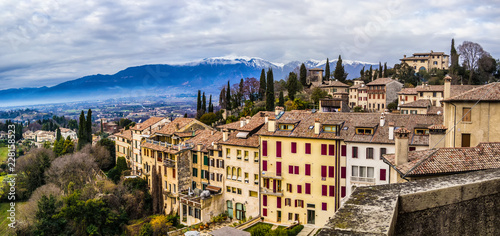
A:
(45, 42)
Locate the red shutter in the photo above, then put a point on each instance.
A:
(342, 172)
(323, 149)
(308, 188)
(342, 191)
(290, 169)
(296, 170)
(299, 190)
(264, 165)
(308, 148)
(264, 200)
(278, 168)
(264, 148)
(264, 212)
(331, 150)
(332, 191)
(294, 147)
(343, 150)
(308, 169)
(331, 171)
(382, 174)
(323, 206)
(323, 171)
(278, 148)
(278, 202)
(324, 190)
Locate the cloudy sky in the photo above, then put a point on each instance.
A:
(44, 42)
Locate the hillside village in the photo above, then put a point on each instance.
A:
(295, 166)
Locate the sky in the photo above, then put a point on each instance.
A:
(45, 42)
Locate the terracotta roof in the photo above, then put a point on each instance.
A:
(334, 83)
(489, 92)
(126, 134)
(206, 138)
(147, 123)
(177, 125)
(408, 91)
(349, 122)
(449, 160)
(381, 81)
(422, 103)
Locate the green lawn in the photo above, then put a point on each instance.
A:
(3, 154)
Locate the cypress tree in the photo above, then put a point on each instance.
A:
(228, 96)
(327, 70)
(262, 87)
(303, 74)
(270, 91)
(338, 74)
(204, 103)
(210, 106)
(89, 126)
(281, 101)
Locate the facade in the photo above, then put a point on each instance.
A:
(427, 61)
(381, 92)
(302, 168)
(123, 145)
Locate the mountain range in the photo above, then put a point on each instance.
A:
(172, 80)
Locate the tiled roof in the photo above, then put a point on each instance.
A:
(349, 123)
(206, 138)
(334, 83)
(381, 81)
(408, 91)
(449, 160)
(126, 134)
(147, 123)
(422, 103)
(489, 92)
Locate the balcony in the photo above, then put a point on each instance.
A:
(271, 175)
(363, 179)
(266, 191)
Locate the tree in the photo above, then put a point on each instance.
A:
(339, 73)
(228, 96)
(292, 85)
(262, 88)
(471, 52)
(327, 70)
(270, 91)
(317, 94)
(303, 74)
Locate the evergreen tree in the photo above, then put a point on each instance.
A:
(198, 102)
(270, 91)
(210, 106)
(89, 126)
(82, 132)
(204, 103)
(262, 88)
(281, 100)
(327, 71)
(385, 69)
(303, 74)
(292, 86)
(379, 69)
(228, 96)
(339, 73)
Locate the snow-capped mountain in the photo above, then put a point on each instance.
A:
(208, 74)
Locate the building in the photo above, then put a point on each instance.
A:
(140, 132)
(381, 92)
(476, 114)
(427, 61)
(358, 94)
(302, 168)
(123, 145)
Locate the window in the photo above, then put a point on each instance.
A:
(382, 152)
(278, 148)
(308, 188)
(294, 147)
(323, 149)
(308, 148)
(264, 148)
(466, 113)
(286, 126)
(369, 153)
(323, 206)
(382, 174)
(354, 152)
(308, 169)
(364, 131)
(421, 131)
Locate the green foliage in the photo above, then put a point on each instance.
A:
(146, 230)
(208, 118)
(317, 94)
(270, 91)
(262, 88)
(303, 74)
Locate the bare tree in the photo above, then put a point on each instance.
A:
(470, 52)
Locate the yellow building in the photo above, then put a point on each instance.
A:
(427, 61)
(123, 147)
(302, 179)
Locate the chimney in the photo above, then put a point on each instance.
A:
(266, 119)
(382, 120)
(402, 136)
(391, 130)
(447, 87)
(436, 134)
(271, 124)
(317, 126)
(242, 121)
(199, 147)
(225, 135)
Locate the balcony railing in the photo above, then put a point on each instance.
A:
(362, 179)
